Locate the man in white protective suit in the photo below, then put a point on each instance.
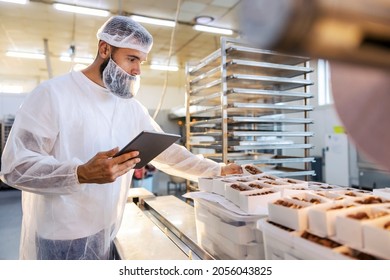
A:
(61, 147)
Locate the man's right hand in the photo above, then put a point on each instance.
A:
(104, 168)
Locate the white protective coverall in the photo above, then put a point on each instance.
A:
(63, 123)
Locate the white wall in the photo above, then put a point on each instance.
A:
(10, 103)
(325, 119)
(150, 95)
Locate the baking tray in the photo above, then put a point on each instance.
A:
(234, 51)
(255, 95)
(251, 82)
(256, 109)
(268, 82)
(258, 158)
(290, 172)
(243, 52)
(251, 120)
(246, 67)
(266, 68)
(267, 146)
(254, 133)
(206, 64)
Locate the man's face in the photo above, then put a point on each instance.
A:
(129, 60)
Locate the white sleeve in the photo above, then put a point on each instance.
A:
(178, 161)
(27, 163)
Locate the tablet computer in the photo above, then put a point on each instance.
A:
(149, 144)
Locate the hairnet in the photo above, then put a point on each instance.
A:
(123, 32)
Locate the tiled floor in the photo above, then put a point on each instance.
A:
(11, 215)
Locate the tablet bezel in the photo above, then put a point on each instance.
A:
(149, 144)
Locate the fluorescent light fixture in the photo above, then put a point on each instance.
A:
(155, 21)
(164, 67)
(213, 29)
(81, 10)
(25, 55)
(83, 60)
(15, 1)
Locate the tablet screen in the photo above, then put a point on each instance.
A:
(149, 144)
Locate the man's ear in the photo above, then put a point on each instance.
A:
(104, 49)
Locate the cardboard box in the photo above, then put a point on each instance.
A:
(285, 187)
(372, 199)
(321, 219)
(256, 201)
(376, 239)
(327, 187)
(351, 193)
(220, 184)
(205, 184)
(310, 197)
(295, 182)
(233, 194)
(277, 241)
(294, 218)
(333, 196)
(349, 231)
(385, 193)
(346, 253)
(311, 247)
(317, 185)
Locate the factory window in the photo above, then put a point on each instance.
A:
(324, 87)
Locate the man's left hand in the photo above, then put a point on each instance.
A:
(231, 168)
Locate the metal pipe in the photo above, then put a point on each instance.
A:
(47, 58)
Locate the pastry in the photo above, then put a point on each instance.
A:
(320, 240)
(253, 170)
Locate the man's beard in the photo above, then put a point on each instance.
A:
(103, 66)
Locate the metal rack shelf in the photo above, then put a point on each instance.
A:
(251, 120)
(250, 82)
(247, 105)
(254, 95)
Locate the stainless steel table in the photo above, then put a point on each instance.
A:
(177, 218)
(141, 239)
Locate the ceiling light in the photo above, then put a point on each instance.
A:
(203, 19)
(164, 67)
(155, 21)
(81, 10)
(25, 55)
(213, 29)
(15, 1)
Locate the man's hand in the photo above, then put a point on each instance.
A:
(231, 168)
(103, 168)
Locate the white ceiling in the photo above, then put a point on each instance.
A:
(24, 28)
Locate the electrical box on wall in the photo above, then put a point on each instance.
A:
(337, 159)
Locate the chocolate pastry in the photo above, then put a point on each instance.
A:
(263, 193)
(320, 240)
(256, 186)
(287, 204)
(252, 170)
(238, 187)
(371, 200)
